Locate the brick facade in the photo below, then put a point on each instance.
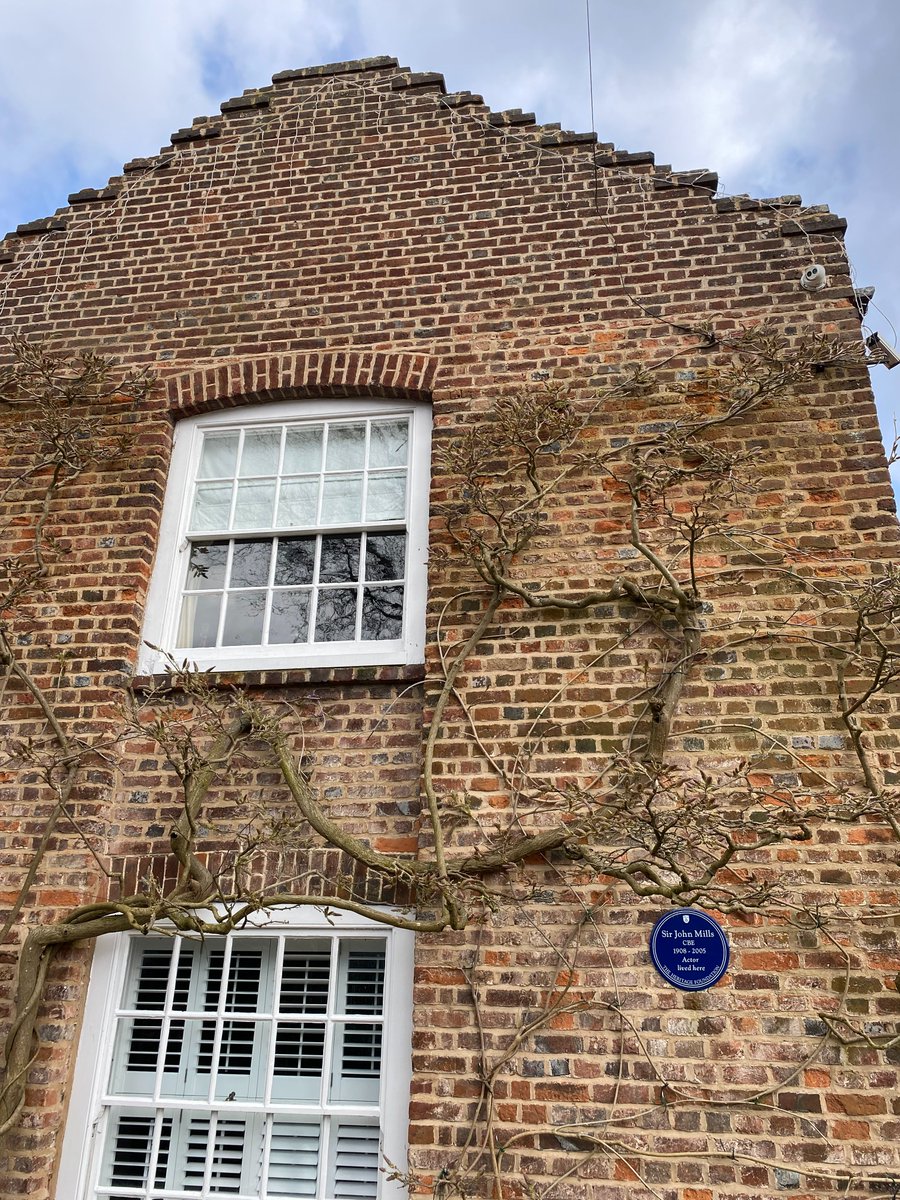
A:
(354, 230)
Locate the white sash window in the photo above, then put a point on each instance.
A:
(294, 534)
(259, 1066)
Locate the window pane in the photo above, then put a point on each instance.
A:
(199, 620)
(236, 1047)
(293, 1158)
(289, 622)
(299, 1059)
(261, 450)
(303, 450)
(187, 1060)
(244, 615)
(342, 500)
(304, 980)
(140, 1038)
(385, 556)
(336, 616)
(219, 456)
(355, 1160)
(362, 979)
(339, 562)
(250, 563)
(206, 568)
(243, 1055)
(212, 503)
(357, 1069)
(130, 1144)
(150, 977)
(255, 505)
(215, 967)
(382, 616)
(346, 447)
(387, 498)
(244, 991)
(389, 443)
(297, 503)
(295, 561)
(226, 1151)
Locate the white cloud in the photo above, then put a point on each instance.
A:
(747, 83)
(87, 85)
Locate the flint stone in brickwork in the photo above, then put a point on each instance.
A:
(626, 158)
(734, 203)
(697, 178)
(147, 164)
(862, 298)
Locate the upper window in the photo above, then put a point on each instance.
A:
(294, 535)
(255, 1065)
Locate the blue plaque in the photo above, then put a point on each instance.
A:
(689, 949)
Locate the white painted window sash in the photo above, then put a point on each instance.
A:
(168, 582)
(350, 1147)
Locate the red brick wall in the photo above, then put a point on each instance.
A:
(355, 231)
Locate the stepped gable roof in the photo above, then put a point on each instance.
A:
(795, 219)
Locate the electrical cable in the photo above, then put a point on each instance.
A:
(587, 14)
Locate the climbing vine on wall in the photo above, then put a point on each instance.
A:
(669, 805)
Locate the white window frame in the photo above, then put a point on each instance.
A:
(89, 1104)
(159, 636)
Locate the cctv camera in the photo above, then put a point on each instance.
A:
(881, 352)
(814, 278)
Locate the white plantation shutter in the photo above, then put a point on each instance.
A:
(356, 1075)
(293, 1159)
(248, 1067)
(356, 1162)
(213, 1156)
(305, 976)
(131, 1146)
(363, 981)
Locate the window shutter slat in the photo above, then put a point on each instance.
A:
(293, 1159)
(356, 1162)
(130, 1156)
(361, 1058)
(304, 981)
(225, 1150)
(365, 982)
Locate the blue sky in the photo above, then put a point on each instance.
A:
(778, 96)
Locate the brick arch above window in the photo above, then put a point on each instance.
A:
(315, 374)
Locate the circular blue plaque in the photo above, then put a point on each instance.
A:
(689, 949)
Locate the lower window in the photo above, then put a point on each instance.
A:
(258, 1065)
